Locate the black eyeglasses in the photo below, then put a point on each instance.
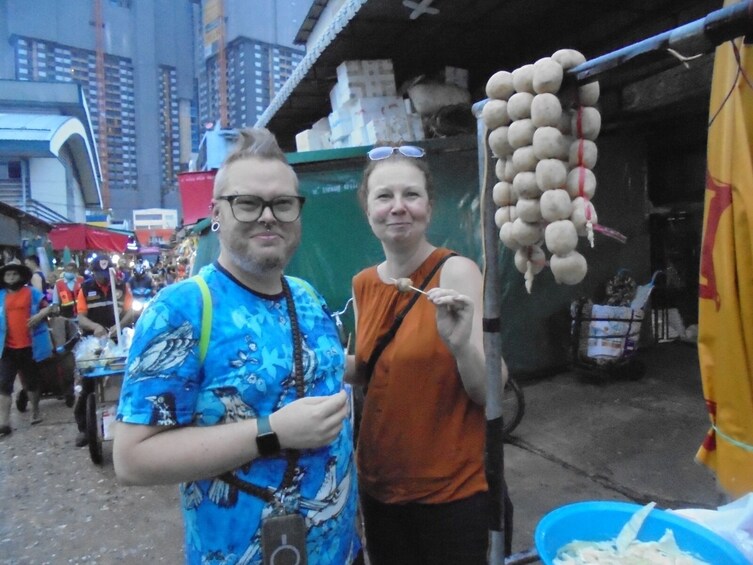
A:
(249, 208)
(379, 153)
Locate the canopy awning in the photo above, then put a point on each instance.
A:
(83, 237)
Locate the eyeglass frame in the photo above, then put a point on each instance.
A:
(264, 205)
(399, 149)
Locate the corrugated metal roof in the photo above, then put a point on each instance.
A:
(43, 135)
(30, 127)
(482, 36)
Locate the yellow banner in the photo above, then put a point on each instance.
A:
(725, 340)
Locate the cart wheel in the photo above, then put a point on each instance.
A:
(22, 400)
(513, 406)
(92, 429)
(70, 400)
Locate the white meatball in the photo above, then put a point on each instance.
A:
(547, 75)
(519, 105)
(556, 205)
(550, 174)
(560, 237)
(522, 79)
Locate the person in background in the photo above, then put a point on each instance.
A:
(38, 279)
(141, 278)
(421, 442)
(9, 256)
(123, 272)
(257, 431)
(24, 338)
(96, 316)
(65, 291)
(182, 269)
(170, 275)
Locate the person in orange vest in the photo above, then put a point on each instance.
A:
(96, 316)
(66, 290)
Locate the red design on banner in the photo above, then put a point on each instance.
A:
(720, 201)
(709, 442)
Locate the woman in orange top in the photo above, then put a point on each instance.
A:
(421, 444)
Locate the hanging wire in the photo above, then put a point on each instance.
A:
(740, 71)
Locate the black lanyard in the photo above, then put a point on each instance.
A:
(292, 455)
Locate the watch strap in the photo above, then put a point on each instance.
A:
(263, 426)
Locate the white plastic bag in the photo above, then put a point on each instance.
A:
(733, 522)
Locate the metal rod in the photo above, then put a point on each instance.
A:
(651, 55)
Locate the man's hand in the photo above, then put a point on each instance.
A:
(101, 331)
(311, 422)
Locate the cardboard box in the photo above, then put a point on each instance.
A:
(363, 110)
(388, 130)
(340, 123)
(313, 140)
(362, 79)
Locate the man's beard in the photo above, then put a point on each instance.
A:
(260, 266)
(14, 286)
(255, 267)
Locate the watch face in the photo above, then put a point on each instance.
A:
(268, 444)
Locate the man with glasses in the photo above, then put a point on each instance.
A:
(234, 386)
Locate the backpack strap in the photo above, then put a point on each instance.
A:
(306, 285)
(206, 317)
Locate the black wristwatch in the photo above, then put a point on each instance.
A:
(266, 440)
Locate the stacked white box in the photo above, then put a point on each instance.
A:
(363, 110)
(340, 123)
(312, 140)
(389, 130)
(416, 127)
(316, 138)
(367, 78)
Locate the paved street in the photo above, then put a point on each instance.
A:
(579, 440)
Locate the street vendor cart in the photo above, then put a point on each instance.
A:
(101, 405)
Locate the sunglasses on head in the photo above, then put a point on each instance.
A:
(379, 153)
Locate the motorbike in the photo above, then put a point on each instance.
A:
(141, 299)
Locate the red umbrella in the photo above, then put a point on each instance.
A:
(83, 237)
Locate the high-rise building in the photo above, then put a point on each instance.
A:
(149, 99)
(253, 43)
(129, 56)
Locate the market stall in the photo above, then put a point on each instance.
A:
(83, 237)
(514, 212)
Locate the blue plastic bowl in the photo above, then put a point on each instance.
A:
(603, 521)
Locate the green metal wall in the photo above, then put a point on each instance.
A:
(337, 241)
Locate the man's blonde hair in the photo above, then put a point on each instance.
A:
(259, 143)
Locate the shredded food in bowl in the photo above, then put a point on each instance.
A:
(625, 549)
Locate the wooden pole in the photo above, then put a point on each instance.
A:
(115, 308)
(500, 527)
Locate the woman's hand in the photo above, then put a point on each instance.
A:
(454, 316)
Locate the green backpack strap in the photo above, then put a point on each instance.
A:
(206, 317)
(308, 287)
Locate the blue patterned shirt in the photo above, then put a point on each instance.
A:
(248, 372)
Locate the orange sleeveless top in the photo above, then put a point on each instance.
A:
(422, 437)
